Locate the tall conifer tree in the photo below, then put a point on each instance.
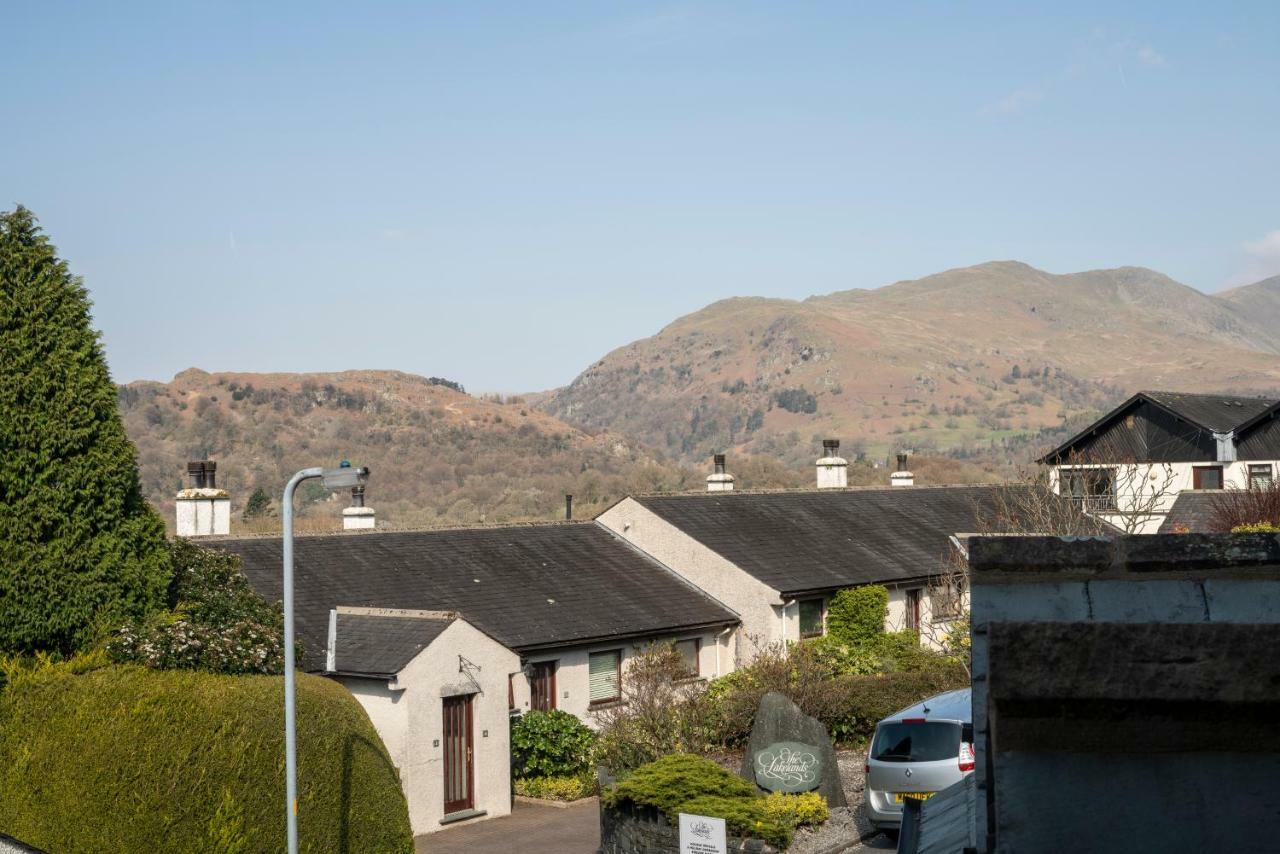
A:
(80, 548)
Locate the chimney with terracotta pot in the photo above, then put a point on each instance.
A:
(719, 480)
(203, 510)
(901, 476)
(833, 469)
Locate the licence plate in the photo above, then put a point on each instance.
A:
(899, 797)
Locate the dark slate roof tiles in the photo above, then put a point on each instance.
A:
(382, 644)
(1218, 412)
(1191, 513)
(527, 586)
(826, 539)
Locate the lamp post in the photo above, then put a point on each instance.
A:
(342, 477)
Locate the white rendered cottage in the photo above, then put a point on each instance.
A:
(541, 617)
(1135, 463)
(777, 557)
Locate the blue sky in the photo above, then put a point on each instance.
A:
(501, 193)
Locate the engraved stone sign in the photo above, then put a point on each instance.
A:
(788, 751)
(788, 766)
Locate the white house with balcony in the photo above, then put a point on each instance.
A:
(1130, 467)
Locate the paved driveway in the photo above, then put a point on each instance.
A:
(528, 830)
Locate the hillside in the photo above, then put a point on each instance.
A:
(438, 455)
(996, 356)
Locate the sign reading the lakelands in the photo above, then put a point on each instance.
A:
(701, 834)
(788, 766)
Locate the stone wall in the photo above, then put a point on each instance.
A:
(645, 830)
(1125, 693)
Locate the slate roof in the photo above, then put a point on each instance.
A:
(1192, 510)
(1216, 413)
(826, 539)
(527, 586)
(382, 644)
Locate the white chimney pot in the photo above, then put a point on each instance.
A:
(357, 518)
(833, 470)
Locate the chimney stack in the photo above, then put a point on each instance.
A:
(568, 507)
(833, 470)
(202, 509)
(357, 517)
(719, 480)
(902, 477)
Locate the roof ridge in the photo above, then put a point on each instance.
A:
(805, 490)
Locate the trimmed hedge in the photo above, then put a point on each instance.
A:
(126, 759)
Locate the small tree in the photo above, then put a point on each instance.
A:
(259, 505)
(80, 549)
(1257, 507)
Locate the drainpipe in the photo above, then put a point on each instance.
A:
(726, 631)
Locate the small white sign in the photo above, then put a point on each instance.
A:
(702, 834)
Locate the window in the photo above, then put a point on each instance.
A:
(1259, 475)
(604, 674)
(948, 600)
(923, 741)
(511, 692)
(688, 650)
(1091, 489)
(1207, 477)
(913, 609)
(542, 686)
(811, 618)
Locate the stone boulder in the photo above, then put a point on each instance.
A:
(788, 751)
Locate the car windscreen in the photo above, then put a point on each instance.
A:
(927, 741)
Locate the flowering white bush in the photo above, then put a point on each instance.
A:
(215, 623)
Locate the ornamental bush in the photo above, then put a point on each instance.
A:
(216, 621)
(742, 817)
(807, 809)
(131, 760)
(856, 615)
(557, 788)
(550, 744)
(80, 549)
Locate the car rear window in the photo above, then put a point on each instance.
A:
(916, 742)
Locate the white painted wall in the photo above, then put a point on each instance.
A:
(716, 657)
(755, 603)
(201, 512)
(410, 721)
(1152, 488)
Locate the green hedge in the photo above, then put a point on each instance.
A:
(125, 759)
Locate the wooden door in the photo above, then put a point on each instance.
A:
(542, 686)
(913, 610)
(459, 787)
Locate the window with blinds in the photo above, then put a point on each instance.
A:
(605, 676)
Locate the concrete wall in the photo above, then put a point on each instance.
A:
(716, 656)
(1124, 696)
(410, 721)
(756, 604)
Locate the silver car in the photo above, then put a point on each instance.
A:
(917, 752)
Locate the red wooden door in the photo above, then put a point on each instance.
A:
(542, 686)
(459, 787)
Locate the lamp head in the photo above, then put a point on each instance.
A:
(345, 476)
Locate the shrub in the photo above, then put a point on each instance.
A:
(742, 817)
(663, 712)
(808, 809)
(133, 760)
(556, 788)
(848, 704)
(217, 622)
(1257, 528)
(80, 548)
(550, 744)
(856, 615)
(1258, 505)
(669, 782)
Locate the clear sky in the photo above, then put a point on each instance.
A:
(501, 193)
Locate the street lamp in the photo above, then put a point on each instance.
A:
(343, 477)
